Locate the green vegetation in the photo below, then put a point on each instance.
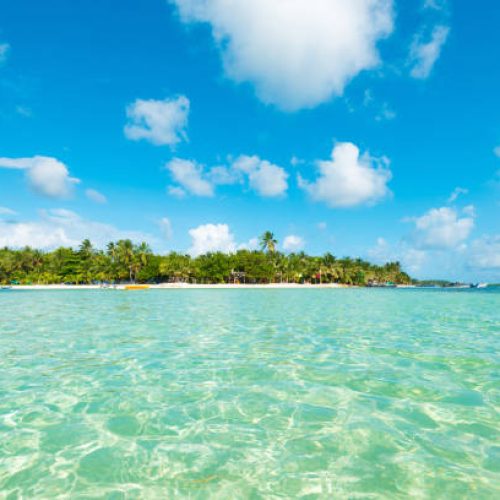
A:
(124, 261)
(440, 283)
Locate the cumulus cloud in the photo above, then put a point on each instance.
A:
(62, 227)
(295, 161)
(485, 253)
(176, 192)
(163, 123)
(441, 228)
(439, 247)
(349, 178)
(223, 176)
(217, 238)
(296, 54)
(469, 210)
(266, 179)
(252, 244)
(425, 53)
(165, 227)
(190, 176)
(412, 259)
(458, 191)
(293, 243)
(6, 211)
(95, 196)
(211, 238)
(45, 175)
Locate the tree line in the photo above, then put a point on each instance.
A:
(124, 261)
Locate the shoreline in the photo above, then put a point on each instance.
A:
(224, 286)
(184, 286)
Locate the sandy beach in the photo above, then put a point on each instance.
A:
(180, 286)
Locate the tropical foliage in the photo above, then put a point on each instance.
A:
(124, 261)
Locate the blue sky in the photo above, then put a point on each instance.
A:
(367, 129)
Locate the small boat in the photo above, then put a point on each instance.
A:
(8, 287)
(136, 287)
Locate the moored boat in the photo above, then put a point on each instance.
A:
(136, 287)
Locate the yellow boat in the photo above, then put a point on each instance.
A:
(136, 287)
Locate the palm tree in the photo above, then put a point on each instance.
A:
(176, 266)
(86, 249)
(330, 266)
(126, 260)
(125, 254)
(111, 250)
(140, 260)
(268, 242)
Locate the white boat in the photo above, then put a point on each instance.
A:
(482, 285)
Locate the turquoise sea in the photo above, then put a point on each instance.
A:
(250, 394)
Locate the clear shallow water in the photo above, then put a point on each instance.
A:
(250, 394)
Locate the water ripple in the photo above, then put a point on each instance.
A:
(250, 394)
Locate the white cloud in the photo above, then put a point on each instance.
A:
(297, 54)
(435, 4)
(383, 111)
(349, 179)
(322, 226)
(217, 238)
(176, 192)
(252, 244)
(456, 193)
(62, 227)
(165, 227)
(190, 176)
(485, 253)
(46, 176)
(496, 151)
(6, 211)
(211, 238)
(441, 228)
(266, 179)
(469, 210)
(380, 251)
(424, 54)
(221, 175)
(4, 51)
(293, 243)
(159, 122)
(439, 248)
(295, 161)
(412, 259)
(95, 196)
